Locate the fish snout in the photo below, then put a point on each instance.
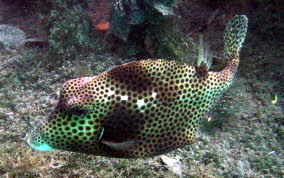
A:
(37, 141)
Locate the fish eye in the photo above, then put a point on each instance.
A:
(79, 111)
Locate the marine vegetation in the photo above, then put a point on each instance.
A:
(149, 27)
(138, 109)
(71, 32)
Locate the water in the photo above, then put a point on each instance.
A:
(244, 136)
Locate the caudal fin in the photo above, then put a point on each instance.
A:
(235, 34)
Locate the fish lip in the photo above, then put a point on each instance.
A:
(28, 137)
(40, 147)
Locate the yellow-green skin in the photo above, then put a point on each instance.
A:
(139, 109)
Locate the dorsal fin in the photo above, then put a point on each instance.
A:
(202, 70)
(234, 37)
(205, 54)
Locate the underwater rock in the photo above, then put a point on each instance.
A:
(55, 164)
(173, 164)
(148, 27)
(36, 42)
(11, 37)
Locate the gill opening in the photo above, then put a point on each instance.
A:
(103, 129)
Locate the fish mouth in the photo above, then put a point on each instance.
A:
(34, 138)
(35, 144)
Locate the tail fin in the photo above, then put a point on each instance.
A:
(235, 34)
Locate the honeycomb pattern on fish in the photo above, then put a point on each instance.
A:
(139, 109)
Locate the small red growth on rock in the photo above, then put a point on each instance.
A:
(102, 26)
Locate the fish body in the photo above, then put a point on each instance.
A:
(138, 109)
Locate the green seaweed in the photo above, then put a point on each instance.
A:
(71, 31)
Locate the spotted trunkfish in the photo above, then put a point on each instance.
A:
(139, 109)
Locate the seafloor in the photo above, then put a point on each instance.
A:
(243, 139)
